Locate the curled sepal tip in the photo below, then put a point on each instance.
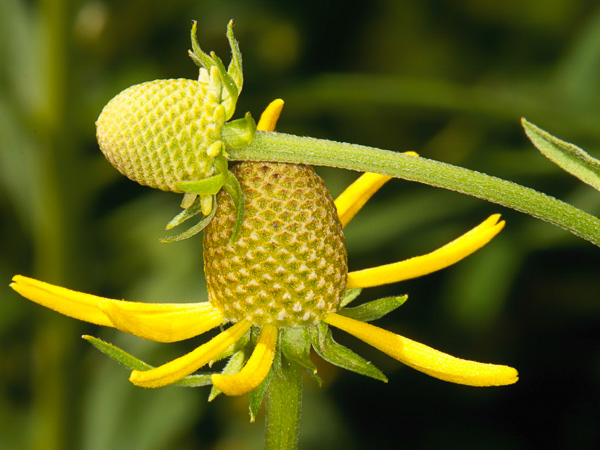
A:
(207, 189)
(232, 77)
(194, 209)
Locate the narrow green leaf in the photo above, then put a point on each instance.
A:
(132, 363)
(329, 350)
(374, 310)
(567, 156)
(115, 353)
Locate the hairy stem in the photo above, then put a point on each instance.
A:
(283, 408)
(271, 146)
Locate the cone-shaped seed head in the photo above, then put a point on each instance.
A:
(288, 266)
(164, 131)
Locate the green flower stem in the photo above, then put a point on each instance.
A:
(271, 146)
(283, 407)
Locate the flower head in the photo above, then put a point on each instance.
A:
(280, 285)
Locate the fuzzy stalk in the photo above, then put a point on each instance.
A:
(283, 407)
(272, 146)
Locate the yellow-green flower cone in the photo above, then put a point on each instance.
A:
(164, 132)
(288, 266)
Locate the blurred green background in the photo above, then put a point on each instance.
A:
(449, 80)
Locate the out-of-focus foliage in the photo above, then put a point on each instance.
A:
(449, 80)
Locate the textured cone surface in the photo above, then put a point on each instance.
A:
(158, 133)
(288, 266)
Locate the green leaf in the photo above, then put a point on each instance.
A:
(374, 310)
(350, 295)
(115, 353)
(329, 350)
(132, 363)
(570, 158)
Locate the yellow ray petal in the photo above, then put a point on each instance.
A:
(70, 303)
(422, 265)
(425, 359)
(183, 366)
(358, 193)
(90, 308)
(169, 326)
(255, 370)
(270, 116)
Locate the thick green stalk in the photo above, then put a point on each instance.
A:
(283, 408)
(270, 146)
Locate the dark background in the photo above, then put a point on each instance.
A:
(449, 80)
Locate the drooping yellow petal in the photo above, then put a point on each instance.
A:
(91, 308)
(425, 359)
(270, 116)
(70, 303)
(183, 366)
(439, 259)
(168, 326)
(358, 193)
(255, 370)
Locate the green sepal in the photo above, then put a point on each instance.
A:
(207, 186)
(350, 295)
(235, 65)
(233, 188)
(231, 78)
(229, 84)
(132, 363)
(200, 58)
(191, 211)
(337, 354)
(196, 228)
(239, 133)
(374, 310)
(234, 365)
(295, 346)
(567, 156)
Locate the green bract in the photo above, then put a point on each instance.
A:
(172, 134)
